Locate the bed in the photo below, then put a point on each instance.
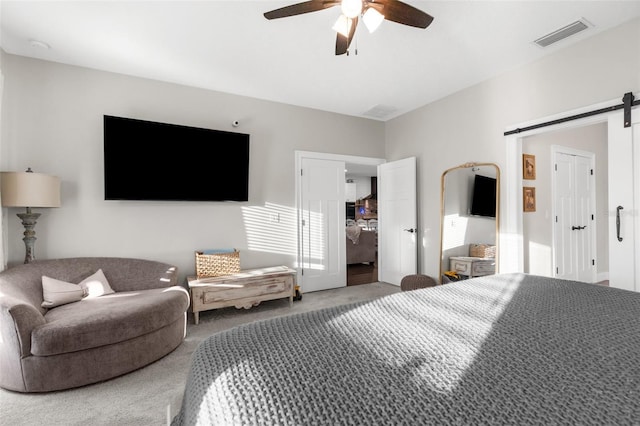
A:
(502, 350)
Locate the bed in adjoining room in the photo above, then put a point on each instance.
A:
(508, 349)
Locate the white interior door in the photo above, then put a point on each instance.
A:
(584, 217)
(624, 200)
(397, 220)
(574, 205)
(322, 224)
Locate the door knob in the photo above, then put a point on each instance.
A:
(410, 230)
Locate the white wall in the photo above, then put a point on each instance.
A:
(537, 226)
(468, 126)
(363, 185)
(3, 224)
(52, 122)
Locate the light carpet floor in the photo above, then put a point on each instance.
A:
(151, 395)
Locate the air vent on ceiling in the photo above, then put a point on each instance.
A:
(380, 111)
(562, 33)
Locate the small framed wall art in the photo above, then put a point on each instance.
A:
(529, 199)
(528, 166)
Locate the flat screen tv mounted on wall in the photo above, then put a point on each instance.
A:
(146, 160)
(483, 200)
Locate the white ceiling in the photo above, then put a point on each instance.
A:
(229, 46)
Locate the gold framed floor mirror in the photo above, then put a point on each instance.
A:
(469, 221)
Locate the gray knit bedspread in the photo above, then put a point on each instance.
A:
(510, 349)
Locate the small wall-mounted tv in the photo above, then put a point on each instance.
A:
(483, 200)
(146, 160)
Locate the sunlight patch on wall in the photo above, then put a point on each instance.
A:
(508, 252)
(455, 227)
(271, 228)
(540, 259)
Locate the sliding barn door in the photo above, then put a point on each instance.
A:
(624, 201)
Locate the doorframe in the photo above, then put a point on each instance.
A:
(299, 155)
(511, 236)
(592, 228)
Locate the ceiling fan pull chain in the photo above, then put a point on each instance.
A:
(356, 52)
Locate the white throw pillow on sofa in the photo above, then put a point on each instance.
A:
(56, 292)
(96, 285)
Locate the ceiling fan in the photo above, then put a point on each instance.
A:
(373, 12)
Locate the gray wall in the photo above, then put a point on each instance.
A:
(52, 122)
(363, 185)
(468, 126)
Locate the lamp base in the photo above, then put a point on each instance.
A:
(29, 222)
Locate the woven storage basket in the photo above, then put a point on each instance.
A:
(218, 264)
(482, 250)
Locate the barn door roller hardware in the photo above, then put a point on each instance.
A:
(628, 102)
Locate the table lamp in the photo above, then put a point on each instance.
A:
(29, 189)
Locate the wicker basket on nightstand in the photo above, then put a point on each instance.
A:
(217, 264)
(482, 250)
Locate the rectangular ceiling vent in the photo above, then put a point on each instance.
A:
(380, 111)
(562, 33)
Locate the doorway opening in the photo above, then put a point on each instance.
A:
(623, 165)
(528, 243)
(361, 242)
(320, 205)
(554, 243)
(325, 266)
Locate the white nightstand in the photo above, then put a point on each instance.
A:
(472, 266)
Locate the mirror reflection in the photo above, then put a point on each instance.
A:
(469, 220)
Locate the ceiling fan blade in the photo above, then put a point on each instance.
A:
(300, 8)
(342, 42)
(402, 13)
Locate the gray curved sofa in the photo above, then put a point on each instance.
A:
(93, 339)
(365, 250)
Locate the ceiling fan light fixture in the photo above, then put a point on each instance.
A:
(342, 25)
(372, 19)
(376, 11)
(351, 8)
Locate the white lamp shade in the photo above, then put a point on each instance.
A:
(27, 189)
(351, 8)
(342, 25)
(372, 19)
